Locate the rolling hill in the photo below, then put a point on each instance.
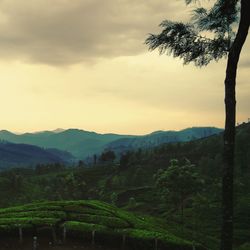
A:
(161, 137)
(82, 143)
(14, 155)
(82, 218)
(131, 185)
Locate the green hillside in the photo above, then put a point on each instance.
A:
(85, 217)
(133, 184)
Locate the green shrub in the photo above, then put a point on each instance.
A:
(88, 216)
(112, 222)
(245, 246)
(27, 220)
(85, 210)
(31, 214)
(151, 235)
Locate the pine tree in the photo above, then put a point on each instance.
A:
(187, 41)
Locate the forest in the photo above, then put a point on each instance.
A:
(86, 64)
(177, 184)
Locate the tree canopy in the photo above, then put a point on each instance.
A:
(207, 36)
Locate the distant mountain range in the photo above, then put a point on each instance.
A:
(82, 144)
(20, 155)
(160, 137)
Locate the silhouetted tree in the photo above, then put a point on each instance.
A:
(81, 164)
(95, 158)
(124, 159)
(108, 156)
(187, 42)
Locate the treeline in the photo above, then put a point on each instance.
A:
(179, 182)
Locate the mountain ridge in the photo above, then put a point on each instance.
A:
(82, 144)
(18, 155)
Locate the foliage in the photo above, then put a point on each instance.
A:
(118, 223)
(113, 198)
(187, 40)
(136, 180)
(245, 246)
(179, 182)
(182, 179)
(108, 156)
(209, 36)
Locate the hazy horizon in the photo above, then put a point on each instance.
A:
(84, 64)
(100, 132)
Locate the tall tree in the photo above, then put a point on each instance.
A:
(178, 183)
(188, 42)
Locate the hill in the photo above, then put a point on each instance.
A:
(86, 218)
(161, 137)
(14, 155)
(83, 144)
(131, 185)
(80, 143)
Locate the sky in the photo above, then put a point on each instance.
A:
(84, 64)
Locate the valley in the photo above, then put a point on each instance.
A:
(133, 183)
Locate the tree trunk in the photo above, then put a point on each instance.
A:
(229, 134)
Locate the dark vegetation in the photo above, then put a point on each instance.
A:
(92, 220)
(146, 182)
(227, 23)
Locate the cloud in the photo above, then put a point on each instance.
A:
(63, 32)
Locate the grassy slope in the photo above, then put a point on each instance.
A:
(88, 216)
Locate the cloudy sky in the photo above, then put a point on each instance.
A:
(83, 64)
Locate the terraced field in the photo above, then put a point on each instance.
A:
(84, 222)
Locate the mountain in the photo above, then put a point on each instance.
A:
(131, 185)
(15, 155)
(82, 144)
(160, 137)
